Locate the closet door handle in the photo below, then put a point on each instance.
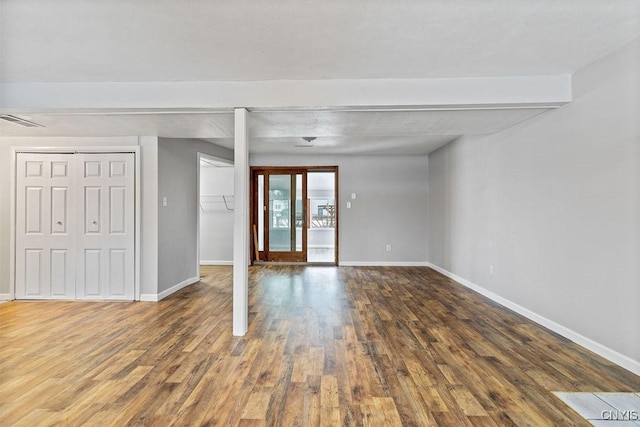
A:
(59, 222)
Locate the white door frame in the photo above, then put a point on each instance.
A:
(73, 150)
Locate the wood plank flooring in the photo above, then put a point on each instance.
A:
(327, 346)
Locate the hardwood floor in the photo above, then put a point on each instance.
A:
(326, 346)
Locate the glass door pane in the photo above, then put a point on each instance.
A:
(298, 214)
(322, 217)
(285, 219)
(281, 228)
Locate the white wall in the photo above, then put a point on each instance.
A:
(390, 205)
(177, 222)
(216, 222)
(554, 205)
(6, 143)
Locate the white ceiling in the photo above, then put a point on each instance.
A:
(202, 40)
(337, 132)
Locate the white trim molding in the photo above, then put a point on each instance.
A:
(383, 264)
(162, 295)
(606, 352)
(230, 262)
(149, 217)
(5, 298)
(221, 96)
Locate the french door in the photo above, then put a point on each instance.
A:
(280, 218)
(75, 226)
(294, 214)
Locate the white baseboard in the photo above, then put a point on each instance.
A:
(171, 290)
(383, 264)
(5, 297)
(609, 354)
(216, 262)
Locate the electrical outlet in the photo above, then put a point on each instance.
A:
(164, 201)
(388, 247)
(348, 205)
(491, 270)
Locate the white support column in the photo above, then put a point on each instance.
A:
(241, 225)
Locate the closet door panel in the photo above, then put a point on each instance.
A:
(45, 243)
(106, 237)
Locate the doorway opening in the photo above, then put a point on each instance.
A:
(215, 210)
(294, 215)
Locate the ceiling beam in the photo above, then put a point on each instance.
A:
(443, 93)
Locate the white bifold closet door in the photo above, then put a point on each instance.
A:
(45, 226)
(75, 226)
(105, 226)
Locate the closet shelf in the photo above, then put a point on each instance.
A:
(215, 202)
